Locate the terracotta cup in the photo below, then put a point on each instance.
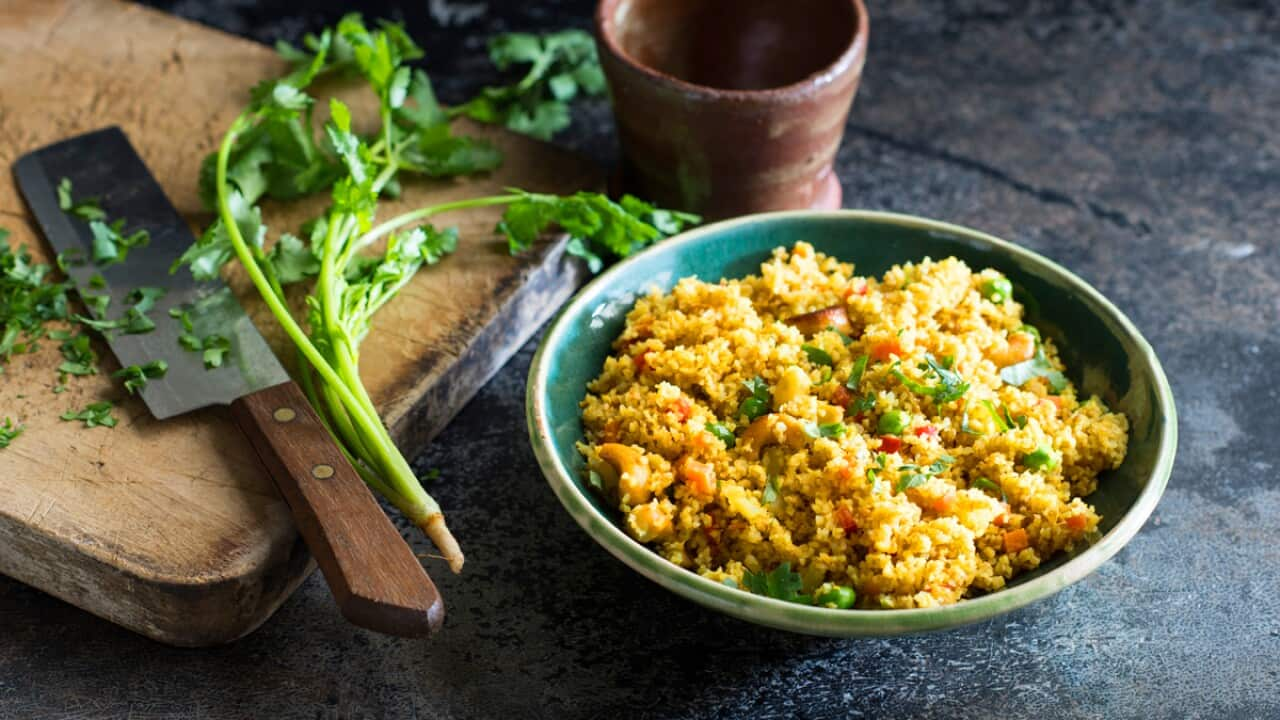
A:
(727, 107)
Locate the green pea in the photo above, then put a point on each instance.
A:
(835, 596)
(892, 422)
(1042, 458)
(997, 290)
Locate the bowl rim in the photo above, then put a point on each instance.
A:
(850, 60)
(819, 620)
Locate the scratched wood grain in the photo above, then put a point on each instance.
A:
(174, 529)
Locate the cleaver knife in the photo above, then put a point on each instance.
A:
(377, 581)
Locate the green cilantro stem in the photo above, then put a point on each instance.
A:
(401, 487)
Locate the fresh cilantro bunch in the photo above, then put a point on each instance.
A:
(561, 66)
(272, 151)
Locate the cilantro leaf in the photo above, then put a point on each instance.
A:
(135, 376)
(9, 432)
(562, 66)
(1039, 366)
(93, 415)
(951, 386)
(759, 400)
(723, 433)
(214, 349)
(817, 355)
(293, 259)
(111, 244)
(86, 209)
(779, 583)
(603, 227)
(144, 298)
(989, 486)
(772, 490)
(855, 374)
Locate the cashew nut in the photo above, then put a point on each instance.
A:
(794, 383)
(625, 470)
(772, 429)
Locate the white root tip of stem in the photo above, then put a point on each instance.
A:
(438, 531)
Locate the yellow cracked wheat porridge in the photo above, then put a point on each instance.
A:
(816, 436)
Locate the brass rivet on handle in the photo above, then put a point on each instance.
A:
(284, 415)
(322, 472)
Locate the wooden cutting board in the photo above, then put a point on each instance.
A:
(173, 529)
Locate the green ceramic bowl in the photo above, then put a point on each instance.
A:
(1103, 351)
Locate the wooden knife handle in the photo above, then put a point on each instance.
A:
(378, 582)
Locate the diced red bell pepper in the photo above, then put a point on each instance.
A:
(683, 408)
(926, 431)
(890, 444)
(844, 518)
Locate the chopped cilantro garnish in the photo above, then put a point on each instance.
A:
(759, 400)
(215, 349)
(772, 489)
(910, 476)
(965, 427)
(93, 415)
(843, 338)
(950, 385)
(826, 430)
(985, 484)
(724, 434)
(855, 374)
(1038, 366)
(97, 304)
(817, 355)
(866, 403)
(86, 209)
(9, 431)
(1042, 458)
(136, 376)
(144, 298)
(1005, 420)
(780, 583)
(111, 244)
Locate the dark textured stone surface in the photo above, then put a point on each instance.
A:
(1136, 143)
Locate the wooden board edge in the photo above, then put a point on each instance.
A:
(532, 298)
(179, 614)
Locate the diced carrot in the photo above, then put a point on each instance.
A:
(926, 431)
(1015, 540)
(699, 476)
(882, 350)
(845, 472)
(945, 504)
(889, 444)
(841, 396)
(1077, 523)
(1002, 519)
(844, 518)
(682, 407)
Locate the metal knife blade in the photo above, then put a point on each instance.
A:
(104, 164)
